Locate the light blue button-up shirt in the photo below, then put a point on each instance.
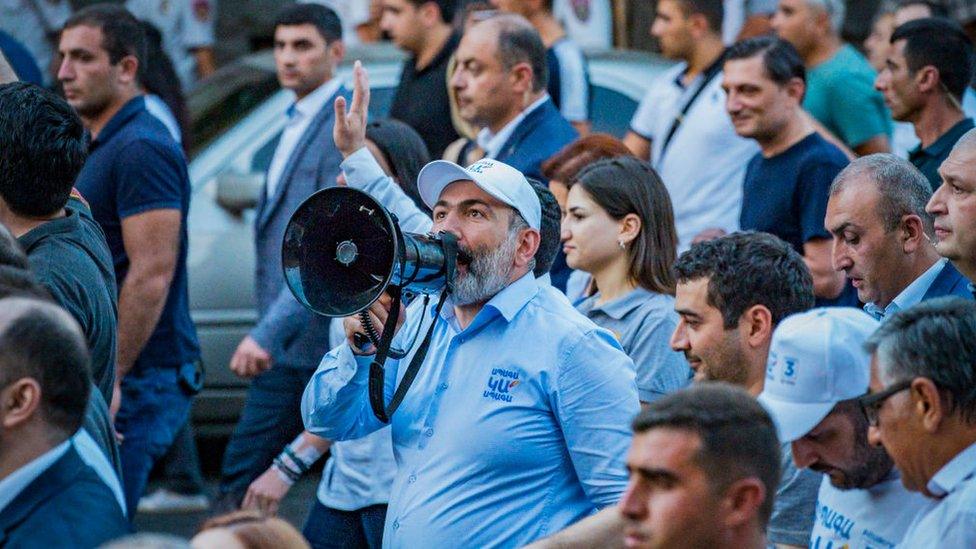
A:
(911, 295)
(514, 428)
(360, 472)
(951, 520)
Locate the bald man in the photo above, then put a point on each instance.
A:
(953, 206)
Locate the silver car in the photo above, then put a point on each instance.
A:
(236, 120)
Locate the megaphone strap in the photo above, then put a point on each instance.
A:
(376, 369)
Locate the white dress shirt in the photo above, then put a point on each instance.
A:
(300, 116)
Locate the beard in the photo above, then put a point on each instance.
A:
(873, 463)
(487, 273)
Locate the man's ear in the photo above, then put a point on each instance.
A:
(927, 79)
(522, 78)
(528, 245)
(796, 88)
(129, 70)
(756, 326)
(742, 501)
(927, 404)
(337, 50)
(19, 401)
(699, 25)
(913, 235)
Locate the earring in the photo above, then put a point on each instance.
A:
(621, 244)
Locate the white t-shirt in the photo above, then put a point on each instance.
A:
(185, 25)
(876, 517)
(589, 23)
(574, 85)
(705, 162)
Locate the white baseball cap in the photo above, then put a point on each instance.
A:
(816, 359)
(495, 178)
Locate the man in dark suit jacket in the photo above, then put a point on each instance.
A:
(500, 83)
(883, 236)
(48, 496)
(283, 349)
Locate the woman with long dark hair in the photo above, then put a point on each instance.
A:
(619, 228)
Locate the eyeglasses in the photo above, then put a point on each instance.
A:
(871, 404)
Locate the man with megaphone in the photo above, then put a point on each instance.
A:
(516, 421)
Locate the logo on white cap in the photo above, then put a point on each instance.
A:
(816, 360)
(498, 179)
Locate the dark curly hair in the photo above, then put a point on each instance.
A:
(746, 269)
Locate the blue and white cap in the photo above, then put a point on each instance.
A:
(816, 360)
(496, 178)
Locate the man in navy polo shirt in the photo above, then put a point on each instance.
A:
(136, 182)
(787, 183)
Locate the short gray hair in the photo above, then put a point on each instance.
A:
(935, 339)
(519, 42)
(902, 188)
(517, 224)
(836, 10)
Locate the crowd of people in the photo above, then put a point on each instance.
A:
(748, 322)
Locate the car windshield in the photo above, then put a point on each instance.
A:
(225, 99)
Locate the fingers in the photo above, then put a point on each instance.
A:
(360, 91)
(340, 109)
(249, 499)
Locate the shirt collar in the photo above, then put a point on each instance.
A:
(507, 302)
(622, 306)
(945, 141)
(311, 104)
(911, 295)
(66, 224)
(133, 107)
(492, 143)
(959, 468)
(16, 482)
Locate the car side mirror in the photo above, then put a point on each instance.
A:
(237, 192)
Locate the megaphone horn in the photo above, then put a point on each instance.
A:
(342, 249)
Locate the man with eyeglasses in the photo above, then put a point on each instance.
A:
(923, 81)
(817, 369)
(923, 411)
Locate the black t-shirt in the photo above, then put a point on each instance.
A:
(70, 258)
(786, 195)
(422, 102)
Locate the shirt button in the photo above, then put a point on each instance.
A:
(443, 387)
(411, 479)
(429, 432)
(396, 524)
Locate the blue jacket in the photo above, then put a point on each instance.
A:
(543, 132)
(949, 282)
(295, 336)
(67, 506)
(539, 136)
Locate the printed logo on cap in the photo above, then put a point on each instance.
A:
(481, 165)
